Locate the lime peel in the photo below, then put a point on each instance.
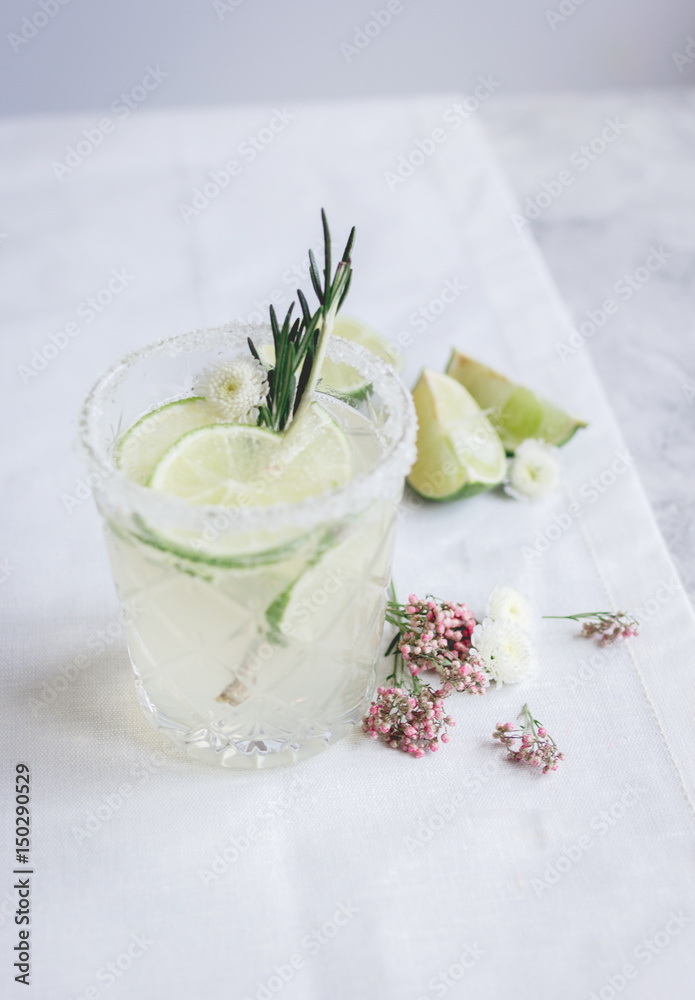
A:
(338, 378)
(145, 442)
(238, 465)
(515, 412)
(458, 452)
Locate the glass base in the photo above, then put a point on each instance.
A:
(262, 752)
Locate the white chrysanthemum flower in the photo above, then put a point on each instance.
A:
(234, 389)
(506, 602)
(533, 471)
(504, 650)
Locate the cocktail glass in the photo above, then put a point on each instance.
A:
(253, 631)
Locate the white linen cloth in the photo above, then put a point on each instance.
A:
(458, 874)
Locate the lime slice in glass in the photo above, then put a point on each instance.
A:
(458, 452)
(143, 445)
(234, 465)
(343, 380)
(284, 613)
(515, 412)
(343, 584)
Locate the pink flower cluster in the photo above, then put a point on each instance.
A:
(532, 746)
(409, 722)
(436, 635)
(465, 675)
(432, 635)
(611, 627)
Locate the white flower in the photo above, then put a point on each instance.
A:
(533, 471)
(506, 602)
(503, 649)
(234, 388)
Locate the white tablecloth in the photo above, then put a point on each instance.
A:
(362, 872)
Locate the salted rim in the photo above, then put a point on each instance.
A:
(121, 494)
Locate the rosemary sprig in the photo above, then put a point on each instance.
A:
(300, 343)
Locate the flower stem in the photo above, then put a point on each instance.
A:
(584, 614)
(529, 721)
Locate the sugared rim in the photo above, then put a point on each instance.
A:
(118, 493)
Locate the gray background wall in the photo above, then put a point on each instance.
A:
(82, 54)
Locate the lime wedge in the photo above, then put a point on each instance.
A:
(143, 445)
(234, 465)
(343, 380)
(458, 452)
(515, 412)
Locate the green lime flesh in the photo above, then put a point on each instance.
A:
(515, 412)
(458, 452)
